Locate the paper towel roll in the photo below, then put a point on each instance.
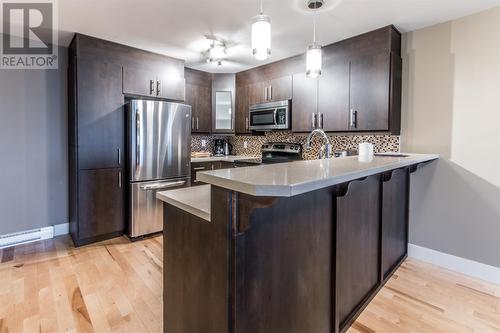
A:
(365, 149)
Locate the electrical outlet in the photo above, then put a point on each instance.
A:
(203, 143)
(245, 144)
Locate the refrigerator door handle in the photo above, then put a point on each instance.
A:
(161, 186)
(138, 141)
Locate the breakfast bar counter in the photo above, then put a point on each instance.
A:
(293, 247)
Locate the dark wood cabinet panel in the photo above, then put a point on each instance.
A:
(200, 99)
(357, 247)
(264, 91)
(207, 166)
(199, 96)
(170, 87)
(394, 219)
(257, 93)
(101, 118)
(283, 263)
(145, 82)
(139, 82)
(305, 102)
(200, 166)
(333, 95)
(100, 203)
(395, 93)
(369, 91)
(280, 89)
(242, 122)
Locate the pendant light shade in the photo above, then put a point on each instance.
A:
(314, 60)
(314, 53)
(261, 37)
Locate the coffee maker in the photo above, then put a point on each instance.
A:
(219, 147)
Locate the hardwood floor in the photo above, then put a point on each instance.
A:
(116, 286)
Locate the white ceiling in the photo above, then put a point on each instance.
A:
(177, 27)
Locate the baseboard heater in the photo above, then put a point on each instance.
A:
(24, 237)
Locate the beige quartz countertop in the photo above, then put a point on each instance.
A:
(194, 200)
(229, 158)
(293, 178)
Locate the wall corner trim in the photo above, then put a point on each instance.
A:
(461, 265)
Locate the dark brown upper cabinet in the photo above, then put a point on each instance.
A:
(273, 90)
(359, 89)
(139, 82)
(149, 83)
(171, 87)
(100, 115)
(333, 94)
(242, 121)
(279, 89)
(305, 103)
(199, 96)
(369, 92)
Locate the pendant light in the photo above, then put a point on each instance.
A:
(314, 55)
(261, 35)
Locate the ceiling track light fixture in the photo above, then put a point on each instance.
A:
(217, 52)
(261, 35)
(314, 52)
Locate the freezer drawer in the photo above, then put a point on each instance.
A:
(146, 212)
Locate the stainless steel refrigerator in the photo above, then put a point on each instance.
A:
(159, 150)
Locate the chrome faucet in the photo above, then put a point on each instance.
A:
(326, 150)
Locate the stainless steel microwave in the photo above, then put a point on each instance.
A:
(270, 116)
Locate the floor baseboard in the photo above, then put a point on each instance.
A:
(454, 263)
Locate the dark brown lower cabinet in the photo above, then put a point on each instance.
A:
(306, 263)
(394, 219)
(357, 246)
(100, 204)
(207, 166)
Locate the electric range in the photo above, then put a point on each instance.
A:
(274, 152)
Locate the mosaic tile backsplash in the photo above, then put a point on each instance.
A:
(382, 143)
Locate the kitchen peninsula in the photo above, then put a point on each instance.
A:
(292, 247)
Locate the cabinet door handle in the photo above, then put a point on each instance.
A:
(119, 179)
(199, 168)
(192, 122)
(119, 156)
(158, 88)
(353, 118)
(265, 93)
(247, 123)
(151, 87)
(321, 120)
(270, 93)
(313, 120)
(197, 123)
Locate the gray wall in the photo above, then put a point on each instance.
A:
(33, 148)
(451, 106)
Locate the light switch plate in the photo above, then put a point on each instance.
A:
(245, 144)
(203, 143)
